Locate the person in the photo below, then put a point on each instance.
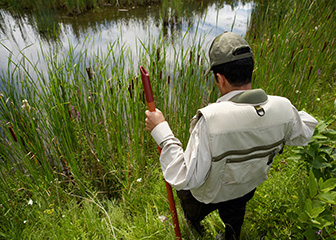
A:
(232, 142)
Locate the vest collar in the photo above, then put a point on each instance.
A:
(253, 97)
(229, 95)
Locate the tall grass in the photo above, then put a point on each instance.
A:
(295, 51)
(77, 127)
(76, 161)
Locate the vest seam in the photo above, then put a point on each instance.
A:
(248, 151)
(250, 157)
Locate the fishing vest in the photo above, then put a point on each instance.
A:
(245, 134)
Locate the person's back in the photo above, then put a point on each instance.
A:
(245, 134)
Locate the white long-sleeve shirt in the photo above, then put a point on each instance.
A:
(188, 169)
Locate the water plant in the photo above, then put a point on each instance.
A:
(295, 54)
(76, 126)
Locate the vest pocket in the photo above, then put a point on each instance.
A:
(236, 171)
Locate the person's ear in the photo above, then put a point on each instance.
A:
(220, 79)
(215, 76)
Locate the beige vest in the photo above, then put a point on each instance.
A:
(244, 137)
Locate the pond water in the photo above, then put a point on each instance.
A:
(24, 34)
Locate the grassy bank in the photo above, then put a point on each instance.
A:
(75, 7)
(77, 128)
(71, 7)
(47, 17)
(76, 161)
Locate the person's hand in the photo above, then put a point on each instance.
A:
(153, 119)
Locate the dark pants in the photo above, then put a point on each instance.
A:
(231, 212)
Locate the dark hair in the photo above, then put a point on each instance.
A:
(238, 73)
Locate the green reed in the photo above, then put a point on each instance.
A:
(80, 121)
(78, 125)
(295, 52)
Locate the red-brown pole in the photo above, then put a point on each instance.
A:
(151, 107)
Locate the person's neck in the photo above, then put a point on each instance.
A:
(233, 88)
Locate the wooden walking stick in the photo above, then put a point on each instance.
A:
(151, 107)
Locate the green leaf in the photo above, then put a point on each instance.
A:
(294, 157)
(318, 203)
(302, 199)
(330, 133)
(320, 136)
(309, 152)
(310, 234)
(320, 183)
(312, 211)
(328, 150)
(322, 223)
(328, 185)
(312, 185)
(303, 216)
(334, 155)
(319, 163)
(315, 212)
(328, 197)
(322, 126)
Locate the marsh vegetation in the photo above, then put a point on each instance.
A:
(76, 161)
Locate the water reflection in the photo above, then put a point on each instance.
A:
(17, 31)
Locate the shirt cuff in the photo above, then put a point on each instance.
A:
(161, 132)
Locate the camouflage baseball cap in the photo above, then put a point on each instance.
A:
(228, 47)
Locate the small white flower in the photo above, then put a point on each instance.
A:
(30, 202)
(24, 221)
(139, 179)
(316, 28)
(318, 99)
(25, 105)
(163, 218)
(297, 91)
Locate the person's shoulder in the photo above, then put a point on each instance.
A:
(279, 98)
(216, 104)
(223, 107)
